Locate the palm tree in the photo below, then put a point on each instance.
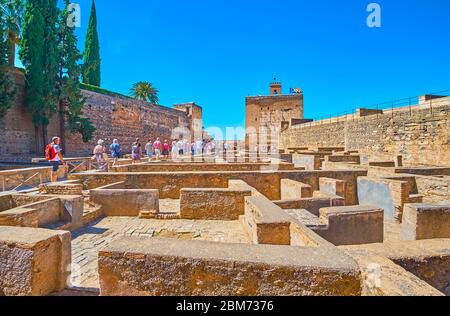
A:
(12, 12)
(145, 91)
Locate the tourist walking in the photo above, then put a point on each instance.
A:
(166, 149)
(157, 145)
(115, 150)
(99, 155)
(149, 149)
(54, 156)
(136, 152)
(175, 151)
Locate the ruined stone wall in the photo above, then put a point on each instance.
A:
(421, 136)
(114, 117)
(126, 119)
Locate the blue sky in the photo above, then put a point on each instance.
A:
(217, 52)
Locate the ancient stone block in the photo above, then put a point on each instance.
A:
(266, 222)
(213, 204)
(333, 186)
(421, 221)
(125, 202)
(158, 267)
(294, 190)
(352, 225)
(33, 262)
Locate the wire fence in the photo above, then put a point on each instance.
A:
(429, 101)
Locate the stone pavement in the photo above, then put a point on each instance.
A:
(88, 241)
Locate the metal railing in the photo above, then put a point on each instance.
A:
(13, 180)
(428, 101)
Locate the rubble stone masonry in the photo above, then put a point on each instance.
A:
(113, 116)
(421, 136)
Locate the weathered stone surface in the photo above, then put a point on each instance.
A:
(333, 186)
(213, 204)
(158, 267)
(266, 222)
(125, 202)
(33, 262)
(352, 225)
(420, 136)
(422, 221)
(291, 190)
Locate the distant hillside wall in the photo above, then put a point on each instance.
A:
(113, 116)
(422, 136)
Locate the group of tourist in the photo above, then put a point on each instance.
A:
(154, 150)
(175, 149)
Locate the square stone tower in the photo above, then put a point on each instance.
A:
(195, 113)
(268, 116)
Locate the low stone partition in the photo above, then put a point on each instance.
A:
(291, 189)
(267, 183)
(167, 267)
(213, 204)
(352, 225)
(188, 167)
(308, 161)
(313, 205)
(333, 187)
(384, 164)
(62, 188)
(44, 211)
(389, 195)
(344, 158)
(266, 223)
(421, 221)
(425, 171)
(33, 262)
(117, 200)
(242, 185)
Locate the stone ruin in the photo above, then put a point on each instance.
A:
(314, 222)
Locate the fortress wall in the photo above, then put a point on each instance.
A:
(113, 116)
(421, 136)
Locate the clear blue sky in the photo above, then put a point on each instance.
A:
(217, 52)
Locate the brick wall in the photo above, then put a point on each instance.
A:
(114, 117)
(421, 136)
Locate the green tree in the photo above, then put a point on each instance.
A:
(7, 88)
(71, 101)
(51, 15)
(145, 91)
(39, 54)
(92, 61)
(31, 54)
(12, 14)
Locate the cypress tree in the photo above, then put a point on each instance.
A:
(92, 62)
(7, 87)
(50, 12)
(71, 101)
(31, 55)
(39, 54)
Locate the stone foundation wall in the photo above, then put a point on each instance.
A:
(160, 267)
(113, 116)
(421, 136)
(213, 204)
